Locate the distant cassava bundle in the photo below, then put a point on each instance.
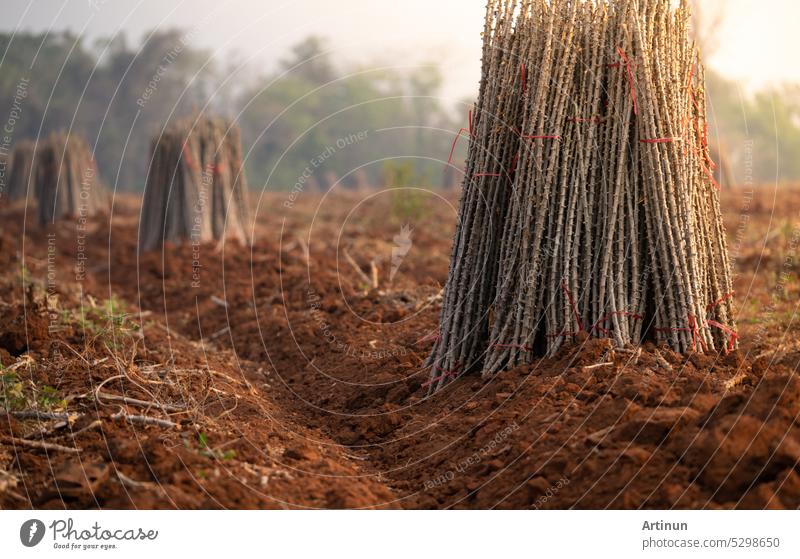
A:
(66, 184)
(196, 188)
(589, 205)
(20, 177)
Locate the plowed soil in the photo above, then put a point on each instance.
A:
(291, 374)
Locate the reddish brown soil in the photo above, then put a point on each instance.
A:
(303, 385)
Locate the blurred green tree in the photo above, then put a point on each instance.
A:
(113, 95)
(311, 110)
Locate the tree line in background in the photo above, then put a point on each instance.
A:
(102, 91)
(311, 122)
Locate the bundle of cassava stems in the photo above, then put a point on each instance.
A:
(65, 179)
(589, 205)
(196, 186)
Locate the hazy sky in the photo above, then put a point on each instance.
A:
(759, 39)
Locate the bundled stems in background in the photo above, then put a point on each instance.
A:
(196, 186)
(66, 184)
(589, 206)
(20, 175)
(58, 175)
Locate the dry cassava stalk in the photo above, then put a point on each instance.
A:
(66, 183)
(494, 145)
(196, 188)
(589, 204)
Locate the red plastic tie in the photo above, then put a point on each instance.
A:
(608, 316)
(706, 162)
(468, 130)
(444, 376)
(710, 174)
(708, 165)
(578, 318)
(627, 63)
(216, 170)
(721, 300)
(732, 333)
(694, 328)
(453, 149)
